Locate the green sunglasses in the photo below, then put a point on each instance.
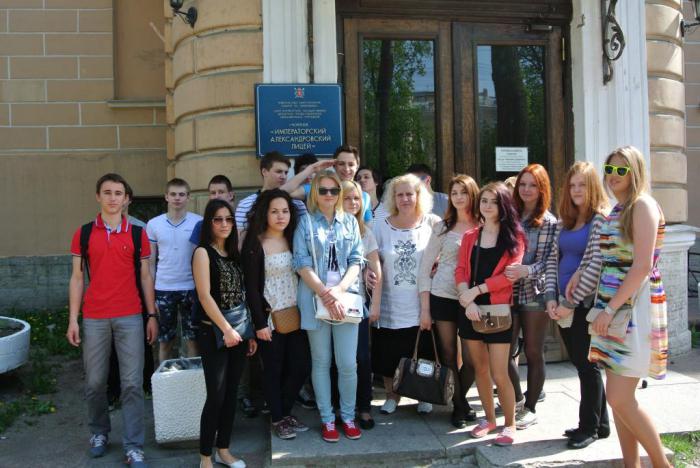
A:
(619, 170)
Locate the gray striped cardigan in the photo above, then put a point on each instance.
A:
(590, 266)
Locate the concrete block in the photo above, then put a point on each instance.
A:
(239, 48)
(80, 90)
(99, 113)
(21, 44)
(45, 114)
(666, 131)
(663, 21)
(664, 59)
(674, 202)
(184, 137)
(82, 137)
(90, 4)
(22, 90)
(225, 130)
(43, 21)
(142, 137)
(95, 20)
(79, 44)
(666, 95)
(96, 67)
(22, 138)
(242, 167)
(668, 167)
(231, 89)
(44, 67)
(178, 399)
(4, 114)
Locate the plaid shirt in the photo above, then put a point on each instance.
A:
(529, 289)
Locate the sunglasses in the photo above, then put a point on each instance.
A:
(619, 170)
(328, 191)
(220, 219)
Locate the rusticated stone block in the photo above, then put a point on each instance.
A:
(232, 89)
(668, 167)
(233, 48)
(674, 202)
(215, 131)
(664, 59)
(666, 95)
(666, 131)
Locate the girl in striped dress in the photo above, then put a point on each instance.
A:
(630, 242)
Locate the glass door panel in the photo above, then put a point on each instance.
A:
(398, 104)
(511, 109)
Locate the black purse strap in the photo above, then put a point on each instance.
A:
(415, 348)
(476, 260)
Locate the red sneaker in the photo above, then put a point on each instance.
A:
(351, 430)
(329, 433)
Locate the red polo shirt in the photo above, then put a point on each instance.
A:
(112, 290)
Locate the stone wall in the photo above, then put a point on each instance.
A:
(34, 282)
(62, 124)
(210, 73)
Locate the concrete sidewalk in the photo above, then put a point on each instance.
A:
(401, 439)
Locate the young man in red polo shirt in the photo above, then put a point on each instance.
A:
(112, 308)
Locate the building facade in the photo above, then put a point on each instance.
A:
(90, 86)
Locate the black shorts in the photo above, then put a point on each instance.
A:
(467, 332)
(442, 308)
(390, 345)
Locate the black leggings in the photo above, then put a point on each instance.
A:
(534, 325)
(447, 338)
(286, 366)
(222, 371)
(592, 410)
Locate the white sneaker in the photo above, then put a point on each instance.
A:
(389, 406)
(519, 405)
(524, 419)
(424, 407)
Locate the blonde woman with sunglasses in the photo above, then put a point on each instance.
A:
(630, 285)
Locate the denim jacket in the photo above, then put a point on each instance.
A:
(348, 250)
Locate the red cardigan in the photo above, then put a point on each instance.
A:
(500, 287)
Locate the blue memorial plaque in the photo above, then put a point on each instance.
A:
(298, 118)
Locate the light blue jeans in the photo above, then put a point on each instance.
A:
(345, 350)
(97, 346)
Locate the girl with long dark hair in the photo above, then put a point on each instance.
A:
(271, 286)
(497, 244)
(218, 279)
(438, 291)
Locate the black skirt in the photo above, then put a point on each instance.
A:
(442, 308)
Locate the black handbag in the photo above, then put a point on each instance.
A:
(424, 380)
(239, 319)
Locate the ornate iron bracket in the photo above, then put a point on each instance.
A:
(613, 38)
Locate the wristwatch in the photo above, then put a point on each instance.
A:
(609, 310)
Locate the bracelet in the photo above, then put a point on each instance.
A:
(478, 288)
(155, 316)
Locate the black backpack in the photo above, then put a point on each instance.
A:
(85, 232)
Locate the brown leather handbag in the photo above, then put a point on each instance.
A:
(286, 320)
(494, 317)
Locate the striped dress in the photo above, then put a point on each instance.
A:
(644, 350)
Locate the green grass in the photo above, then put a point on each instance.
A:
(38, 378)
(685, 446)
(695, 336)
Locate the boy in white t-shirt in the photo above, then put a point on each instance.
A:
(170, 263)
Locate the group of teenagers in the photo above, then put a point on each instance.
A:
(424, 263)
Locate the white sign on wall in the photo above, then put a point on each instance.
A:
(510, 158)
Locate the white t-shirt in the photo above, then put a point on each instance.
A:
(174, 267)
(401, 251)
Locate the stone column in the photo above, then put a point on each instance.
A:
(211, 71)
(668, 159)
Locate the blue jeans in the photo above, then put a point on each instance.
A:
(345, 350)
(129, 345)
